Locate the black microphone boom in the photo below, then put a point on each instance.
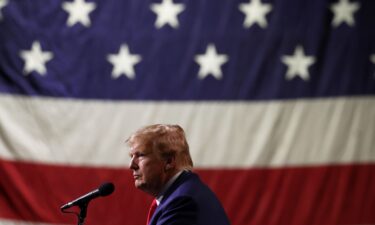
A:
(104, 190)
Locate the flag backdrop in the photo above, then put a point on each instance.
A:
(276, 97)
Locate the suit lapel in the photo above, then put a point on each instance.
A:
(183, 176)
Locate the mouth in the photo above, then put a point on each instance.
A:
(136, 177)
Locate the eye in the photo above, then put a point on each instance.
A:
(137, 155)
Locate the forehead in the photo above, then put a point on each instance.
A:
(141, 148)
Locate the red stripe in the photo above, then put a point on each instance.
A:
(290, 196)
(306, 195)
(35, 192)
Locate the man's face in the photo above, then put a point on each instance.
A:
(148, 169)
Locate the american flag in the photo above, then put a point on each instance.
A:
(276, 97)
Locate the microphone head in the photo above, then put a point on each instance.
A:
(106, 189)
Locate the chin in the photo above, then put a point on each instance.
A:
(139, 184)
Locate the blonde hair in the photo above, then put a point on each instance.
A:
(167, 140)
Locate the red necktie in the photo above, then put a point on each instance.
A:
(151, 210)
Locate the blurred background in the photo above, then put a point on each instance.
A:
(276, 97)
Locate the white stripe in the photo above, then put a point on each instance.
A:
(18, 222)
(221, 134)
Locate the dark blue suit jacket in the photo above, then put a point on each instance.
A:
(189, 202)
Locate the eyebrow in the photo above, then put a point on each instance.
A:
(137, 152)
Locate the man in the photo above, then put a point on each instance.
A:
(161, 165)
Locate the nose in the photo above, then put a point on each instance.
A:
(133, 164)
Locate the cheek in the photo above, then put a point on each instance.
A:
(151, 170)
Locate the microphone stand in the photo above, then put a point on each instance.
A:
(82, 213)
(83, 201)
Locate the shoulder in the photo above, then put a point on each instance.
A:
(190, 189)
(188, 183)
(190, 200)
(187, 186)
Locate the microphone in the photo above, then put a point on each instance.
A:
(103, 190)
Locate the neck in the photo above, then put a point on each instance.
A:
(168, 183)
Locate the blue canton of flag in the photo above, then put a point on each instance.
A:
(187, 50)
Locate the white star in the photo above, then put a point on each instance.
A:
(210, 63)
(343, 12)
(298, 64)
(123, 62)
(372, 58)
(255, 12)
(79, 11)
(3, 3)
(167, 13)
(35, 59)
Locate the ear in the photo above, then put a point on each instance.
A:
(170, 162)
